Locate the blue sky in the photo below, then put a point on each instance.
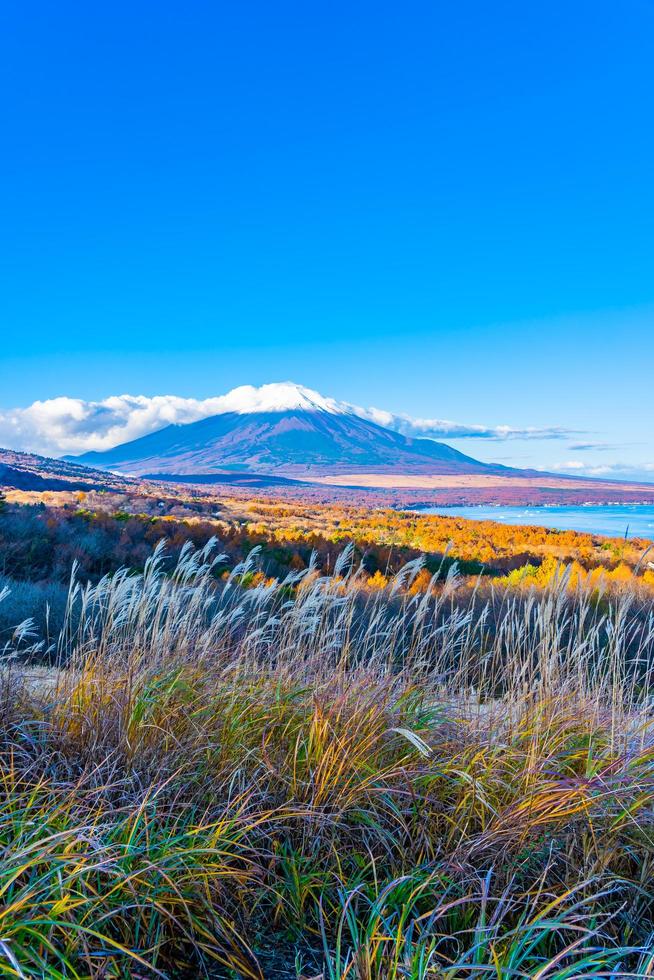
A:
(445, 210)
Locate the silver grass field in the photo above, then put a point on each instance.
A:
(309, 778)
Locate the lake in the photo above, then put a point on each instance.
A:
(636, 520)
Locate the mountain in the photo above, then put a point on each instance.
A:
(289, 430)
(27, 471)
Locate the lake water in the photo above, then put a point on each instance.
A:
(636, 520)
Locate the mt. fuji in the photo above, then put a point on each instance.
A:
(288, 430)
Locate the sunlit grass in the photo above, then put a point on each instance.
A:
(308, 778)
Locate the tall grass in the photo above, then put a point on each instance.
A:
(309, 778)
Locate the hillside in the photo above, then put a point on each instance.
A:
(299, 435)
(28, 471)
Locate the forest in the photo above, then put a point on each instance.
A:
(40, 545)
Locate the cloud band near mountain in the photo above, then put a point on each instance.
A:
(72, 425)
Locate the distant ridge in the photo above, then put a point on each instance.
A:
(28, 471)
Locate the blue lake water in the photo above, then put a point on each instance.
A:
(635, 520)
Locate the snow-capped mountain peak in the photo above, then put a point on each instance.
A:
(282, 396)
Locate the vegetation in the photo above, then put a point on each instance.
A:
(101, 533)
(39, 543)
(316, 777)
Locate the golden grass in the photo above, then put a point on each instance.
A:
(323, 781)
(453, 481)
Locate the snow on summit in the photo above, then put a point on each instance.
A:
(284, 396)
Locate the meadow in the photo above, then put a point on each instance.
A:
(235, 775)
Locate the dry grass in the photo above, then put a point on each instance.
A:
(467, 480)
(308, 779)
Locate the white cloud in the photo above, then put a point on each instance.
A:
(72, 425)
(592, 447)
(445, 429)
(618, 471)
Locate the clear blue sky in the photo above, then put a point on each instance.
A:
(445, 209)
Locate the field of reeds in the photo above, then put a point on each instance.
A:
(312, 779)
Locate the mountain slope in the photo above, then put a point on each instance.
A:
(296, 442)
(27, 471)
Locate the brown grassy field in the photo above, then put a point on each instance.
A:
(480, 481)
(312, 778)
